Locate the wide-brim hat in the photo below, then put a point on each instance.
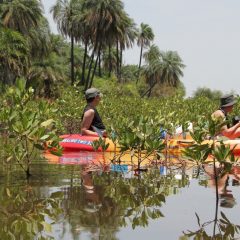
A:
(92, 93)
(227, 101)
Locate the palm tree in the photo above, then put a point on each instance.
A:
(42, 74)
(152, 54)
(126, 35)
(21, 15)
(63, 14)
(39, 39)
(83, 35)
(103, 16)
(14, 55)
(145, 37)
(110, 60)
(172, 68)
(165, 70)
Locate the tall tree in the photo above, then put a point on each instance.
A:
(14, 55)
(126, 35)
(103, 16)
(165, 70)
(145, 37)
(27, 18)
(50, 69)
(21, 15)
(63, 13)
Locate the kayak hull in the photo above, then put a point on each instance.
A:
(177, 146)
(78, 142)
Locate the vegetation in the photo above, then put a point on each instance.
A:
(207, 92)
(99, 33)
(42, 80)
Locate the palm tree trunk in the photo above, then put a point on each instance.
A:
(95, 66)
(82, 82)
(110, 60)
(47, 87)
(117, 62)
(149, 89)
(90, 68)
(99, 65)
(72, 58)
(93, 52)
(140, 62)
(120, 63)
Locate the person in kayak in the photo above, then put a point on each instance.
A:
(226, 106)
(91, 121)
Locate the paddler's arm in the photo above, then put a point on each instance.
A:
(86, 123)
(232, 132)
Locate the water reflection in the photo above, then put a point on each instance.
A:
(24, 215)
(107, 201)
(226, 197)
(103, 196)
(220, 227)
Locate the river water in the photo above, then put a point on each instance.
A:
(95, 198)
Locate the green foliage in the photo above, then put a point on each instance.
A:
(141, 135)
(138, 200)
(227, 230)
(129, 73)
(208, 93)
(14, 54)
(24, 216)
(26, 125)
(100, 144)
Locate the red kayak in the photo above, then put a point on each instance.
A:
(78, 142)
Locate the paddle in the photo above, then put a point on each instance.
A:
(98, 131)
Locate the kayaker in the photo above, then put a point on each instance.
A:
(226, 106)
(91, 121)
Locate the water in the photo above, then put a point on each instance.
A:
(92, 202)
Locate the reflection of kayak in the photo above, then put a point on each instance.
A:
(76, 157)
(177, 146)
(97, 158)
(77, 142)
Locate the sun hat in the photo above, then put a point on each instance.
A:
(92, 93)
(227, 100)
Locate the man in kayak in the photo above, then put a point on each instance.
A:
(91, 121)
(226, 106)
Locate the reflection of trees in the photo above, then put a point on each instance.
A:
(117, 201)
(226, 229)
(23, 215)
(141, 198)
(91, 211)
(222, 228)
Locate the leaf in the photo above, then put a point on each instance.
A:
(56, 195)
(224, 217)
(8, 192)
(47, 226)
(198, 219)
(9, 159)
(47, 123)
(39, 146)
(44, 137)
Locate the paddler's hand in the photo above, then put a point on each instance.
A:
(104, 133)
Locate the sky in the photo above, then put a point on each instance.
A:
(205, 33)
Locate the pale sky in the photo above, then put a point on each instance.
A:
(205, 33)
